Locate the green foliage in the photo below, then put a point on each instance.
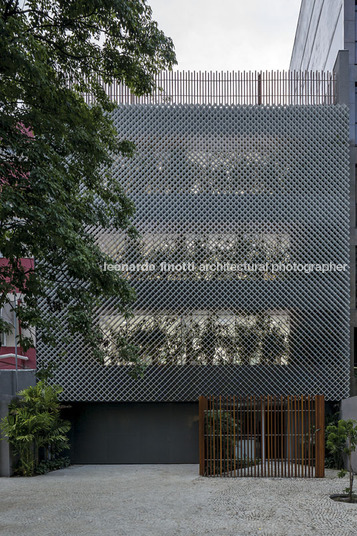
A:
(52, 465)
(56, 153)
(34, 428)
(208, 339)
(333, 460)
(220, 428)
(342, 438)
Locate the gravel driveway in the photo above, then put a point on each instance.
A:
(170, 500)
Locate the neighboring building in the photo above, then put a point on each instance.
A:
(219, 183)
(324, 28)
(12, 356)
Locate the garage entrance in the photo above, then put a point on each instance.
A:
(133, 433)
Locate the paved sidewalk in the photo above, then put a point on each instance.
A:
(170, 500)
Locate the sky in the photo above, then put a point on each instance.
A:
(229, 34)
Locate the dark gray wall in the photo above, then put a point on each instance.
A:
(115, 433)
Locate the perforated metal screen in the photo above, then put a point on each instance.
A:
(241, 268)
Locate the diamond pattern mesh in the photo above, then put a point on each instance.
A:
(216, 187)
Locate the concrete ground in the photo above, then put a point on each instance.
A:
(170, 500)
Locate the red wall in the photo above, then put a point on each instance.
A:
(9, 362)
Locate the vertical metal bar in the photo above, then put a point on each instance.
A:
(259, 88)
(320, 436)
(243, 86)
(278, 77)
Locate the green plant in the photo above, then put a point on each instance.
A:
(34, 428)
(221, 429)
(52, 465)
(273, 347)
(333, 460)
(342, 438)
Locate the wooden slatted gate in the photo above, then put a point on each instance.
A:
(267, 436)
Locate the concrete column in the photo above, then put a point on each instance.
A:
(341, 70)
(345, 94)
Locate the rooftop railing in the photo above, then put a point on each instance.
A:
(234, 87)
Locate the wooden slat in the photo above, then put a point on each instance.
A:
(282, 435)
(234, 438)
(240, 434)
(294, 438)
(282, 425)
(255, 435)
(214, 436)
(262, 438)
(268, 435)
(202, 405)
(220, 437)
(303, 442)
(309, 436)
(227, 439)
(275, 439)
(210, 448)
(320, 436)
(289, 437)
(247, 453)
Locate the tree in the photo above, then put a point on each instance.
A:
(56, 152)
(342, 439)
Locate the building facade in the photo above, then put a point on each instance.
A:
(324, 28)
(241, 273)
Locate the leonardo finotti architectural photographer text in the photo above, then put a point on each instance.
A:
(245, 267)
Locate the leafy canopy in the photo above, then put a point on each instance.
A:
(56, 151)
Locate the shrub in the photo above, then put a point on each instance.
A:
(35, 430)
